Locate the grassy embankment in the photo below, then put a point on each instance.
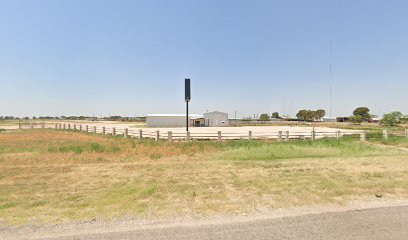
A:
(54, 176)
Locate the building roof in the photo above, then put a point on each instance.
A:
(175, 115)
(216, 112)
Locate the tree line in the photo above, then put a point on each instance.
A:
(360, 115)
(303, 115)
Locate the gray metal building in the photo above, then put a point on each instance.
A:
(170, 120)
(217, 119)
(209, 119)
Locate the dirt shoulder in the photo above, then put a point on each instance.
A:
(99, 226)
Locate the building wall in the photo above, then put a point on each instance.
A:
(169, 121)
(166, 121)
(217, 119)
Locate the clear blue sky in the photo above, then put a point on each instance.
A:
(131, 57)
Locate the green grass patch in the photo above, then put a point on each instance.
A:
(84, 147)
(261, 150)
(49, 176)
(399, 141)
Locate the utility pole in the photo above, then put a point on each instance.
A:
(283, 107)
(290, 109)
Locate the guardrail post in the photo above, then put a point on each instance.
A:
(170, 136)
(406, 133)
(94, 129)
(64, 126)
(338, 134)
(313, 135)
(280, 136)
(363, 136)
(74, 127)
(140, 133)
(19, 125)
(59, 126)
(114, 131)
(157, 135)
(56, 126)
(287, 136)
(32, 125)
(219, 135)
(250, 135)
(188, 135)
(69, 126)
(385, 134)
(103, 130)
(86, 128)
(42, 125)
(125, 133)
(80, 128)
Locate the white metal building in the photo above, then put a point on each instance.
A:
(217, 119)
(171, 120)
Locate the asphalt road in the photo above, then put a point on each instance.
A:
(377, 223)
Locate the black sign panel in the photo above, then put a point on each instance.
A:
(187, 90)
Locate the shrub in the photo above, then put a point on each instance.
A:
(275, 115)
(356, 119)
(362, 112)
(264, 117)
(392, 119)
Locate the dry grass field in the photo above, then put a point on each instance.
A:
(49, 176)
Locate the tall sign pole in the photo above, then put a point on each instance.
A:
(331, 78)
(187, 98)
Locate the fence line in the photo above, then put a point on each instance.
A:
(219, 135)
(216, 135)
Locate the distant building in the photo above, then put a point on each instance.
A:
(211, 119)
(342, 119)
(328, 119)
(374, 120)
(173, 120)
(217, 119)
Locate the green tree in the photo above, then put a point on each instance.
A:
(356, 119)
(302, 115)
(320, 113)
(264, 117)
(363, 112)
(392, 119)
(309, 115)
(275, 115)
